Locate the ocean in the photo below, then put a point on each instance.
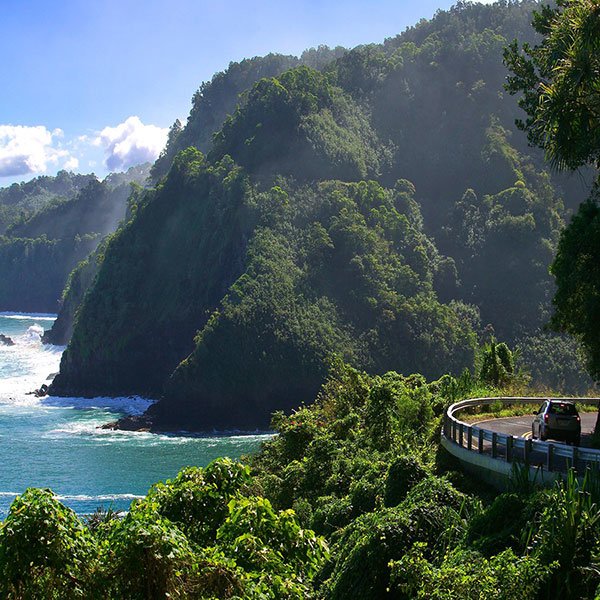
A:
(56, 443)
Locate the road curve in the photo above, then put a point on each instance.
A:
(521, 426)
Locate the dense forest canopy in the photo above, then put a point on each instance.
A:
(20, 200)
(217, 98)
(382, 207)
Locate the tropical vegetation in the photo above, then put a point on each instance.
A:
(351, 498)
(381, 206)
(49, 225)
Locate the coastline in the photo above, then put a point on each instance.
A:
(57, 442)
(145, 424)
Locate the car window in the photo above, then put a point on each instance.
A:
(542, 408)
(562, 408)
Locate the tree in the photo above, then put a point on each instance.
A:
(560, 82)
(497, 364)
(577, 271)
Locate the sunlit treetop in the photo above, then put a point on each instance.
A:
(560, 83)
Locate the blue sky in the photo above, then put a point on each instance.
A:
(89, 82)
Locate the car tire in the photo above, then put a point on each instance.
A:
(577, 440)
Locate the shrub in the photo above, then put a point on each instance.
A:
(272, 546)
(499, 526)
(197, 499)
(467, 575)
(149, 557)
(403, 474)
(45, 551)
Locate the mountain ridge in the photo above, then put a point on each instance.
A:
(413, 261)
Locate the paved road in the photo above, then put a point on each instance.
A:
(521, 426)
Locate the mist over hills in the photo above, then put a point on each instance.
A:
(50, 225)
(21, 200)
(378, 208)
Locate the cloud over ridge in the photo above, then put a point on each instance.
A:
(131, 143)
(28, 149)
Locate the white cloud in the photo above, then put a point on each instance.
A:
(131, 143)
(25, 150)
(71, 164)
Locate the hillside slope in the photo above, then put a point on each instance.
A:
(245, 270)
(190, 233)
(41, 247)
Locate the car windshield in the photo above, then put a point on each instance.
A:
(563, 409)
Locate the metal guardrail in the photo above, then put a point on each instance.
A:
(551, 456)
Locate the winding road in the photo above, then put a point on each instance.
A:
(491, 447)
(521, 426)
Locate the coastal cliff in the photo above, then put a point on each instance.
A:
(378, 209)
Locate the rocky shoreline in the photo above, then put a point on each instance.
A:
(132, 423)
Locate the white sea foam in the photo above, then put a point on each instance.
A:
(82, 497)
(25, 366)
(99, 498)
(29, 316)
(33, 335)
(29, 364)
(130, 405)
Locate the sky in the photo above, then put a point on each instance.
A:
(93, 86)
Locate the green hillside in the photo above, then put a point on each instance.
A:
(379, 208)
(20, 200)
(60, 221)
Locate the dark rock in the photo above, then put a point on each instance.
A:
(4, 339)
(135, 423)
(42, 391)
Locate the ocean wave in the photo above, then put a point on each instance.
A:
(91, 429)
(33, 335)
(98, 498)
(130, 405)
(83, 497)
(29, 316)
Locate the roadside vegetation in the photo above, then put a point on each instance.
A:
(353, 498)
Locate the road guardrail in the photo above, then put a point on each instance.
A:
(475, 444)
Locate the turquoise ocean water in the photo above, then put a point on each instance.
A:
(55, 442)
